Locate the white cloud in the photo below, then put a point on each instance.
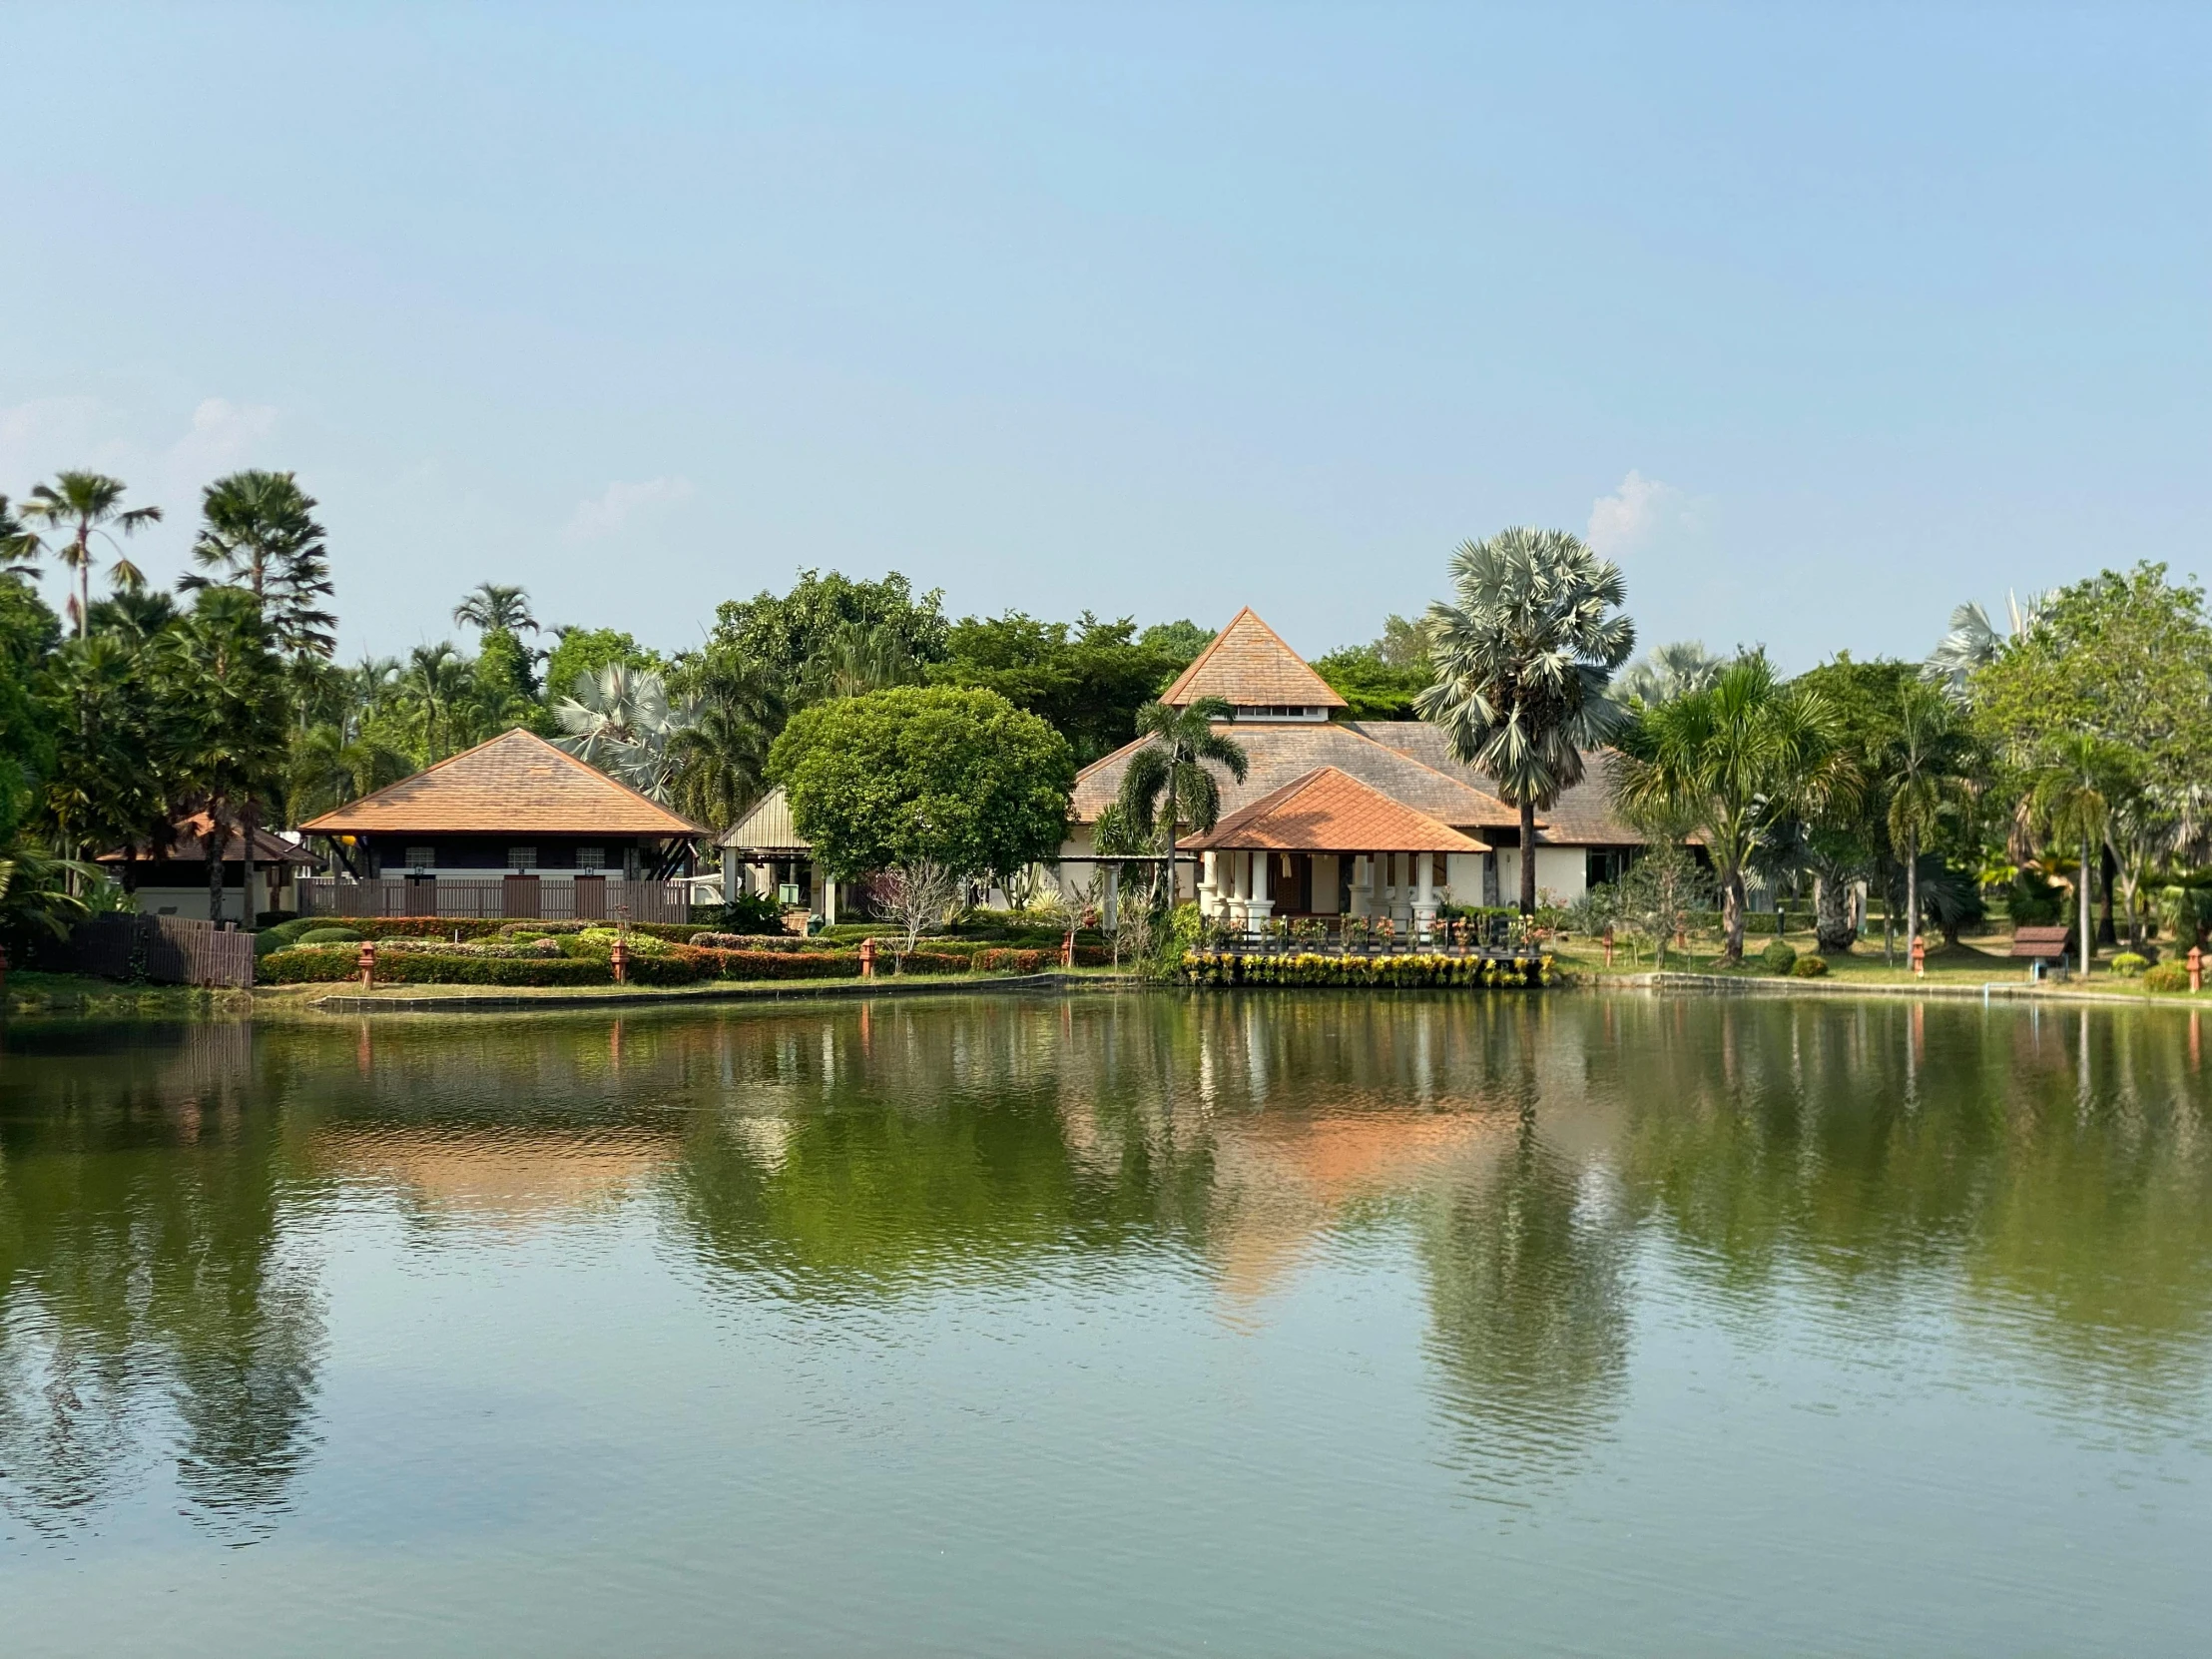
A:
(222, 438)
(1642, 514)
(620, 506)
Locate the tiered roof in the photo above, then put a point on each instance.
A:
(514, 783)
(1249, 666)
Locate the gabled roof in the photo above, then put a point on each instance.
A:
(1277, 753)
(186, 846)
(1584, 815)
(767, 827)
(1328, 810)
(1248, 665)
(516, 782)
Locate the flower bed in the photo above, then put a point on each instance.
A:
(1229, 967)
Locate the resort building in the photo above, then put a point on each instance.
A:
(511, 828)
(763, 853)
(171, 880)
(1337, 816)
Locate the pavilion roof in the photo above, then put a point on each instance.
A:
(1249, 666)
(1328, 810)
(187, 845)
(514, 783)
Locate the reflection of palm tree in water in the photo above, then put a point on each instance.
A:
(141, 1276)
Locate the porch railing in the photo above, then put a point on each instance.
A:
(1359, 936)
(515, 898)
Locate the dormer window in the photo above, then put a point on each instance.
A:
(1281, 712)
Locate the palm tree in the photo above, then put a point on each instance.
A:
(623, 723)
(1522, 662)
(492, 607)
(19, 549)
(434, 687)
(2073, 798)
(258, 532)
(721, 760)
(1973, 641)
(1735, 762)
(1926, 763)
(84, 505)
(1168, 782)
(856, 658)
(1670, 669)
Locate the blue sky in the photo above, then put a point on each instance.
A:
(1819, 319)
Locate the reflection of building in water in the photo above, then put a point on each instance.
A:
(495, 1174)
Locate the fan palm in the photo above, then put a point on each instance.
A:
(1168, 782)
(621, 722)
(494, 607)
(1973, 641)
(2074, 794)
(1928, 776)
(258, 532)
(1734, 761)
(84, 505)
(1670, 669)
(1523, 657)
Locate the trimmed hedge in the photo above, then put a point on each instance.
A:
(1808, 966)
(589, 962)
(1229, 967)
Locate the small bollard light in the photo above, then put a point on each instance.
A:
(2196, 968)
(1920, 954)
(619, 957)
(867, 958)
(366, 963)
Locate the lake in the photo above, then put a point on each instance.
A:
(1125, 1324)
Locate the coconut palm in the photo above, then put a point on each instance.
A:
(19, 549)
(1927, 767)
(1670, 669)
(1522, 658)
(621, 722)
(721, 760)
(493, 607)
(1168, 782)
(83, 505)
(1973, 641)
(1734, 761)
(2073, 796)
(435, 687)
(258, 532)
(858, 659)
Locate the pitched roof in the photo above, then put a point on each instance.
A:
(1584, 815)
(1248, 665)
(1328, 810)
(515, 783)
(766, 828)
(186, 845)
(1277, 753)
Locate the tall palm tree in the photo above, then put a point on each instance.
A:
(2073, 796)
(434, 687)
(493, 607)
(83, 505)
(1734, 761)
(1168, 783)
(1670, 669)
(1524, 656)
(258, 532)
(623, 722)
(19, 549)
(720, 762)
(1973, 641)
(1926, 767)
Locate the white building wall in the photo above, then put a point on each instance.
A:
(1561, 874)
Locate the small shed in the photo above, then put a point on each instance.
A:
(763, 853)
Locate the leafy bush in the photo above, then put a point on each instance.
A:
(1229, 967)
(2166, 977)
(1809, 966)
(750, 912)
(285, 933)
(2127, 965)
(1779, 957)
(328, 936)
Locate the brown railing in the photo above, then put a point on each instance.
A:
(165, 950)
(517, 897)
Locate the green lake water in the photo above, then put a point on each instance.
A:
(1119, 1324)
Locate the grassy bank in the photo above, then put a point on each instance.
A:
(29, 992)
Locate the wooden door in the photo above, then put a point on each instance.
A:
(591, 898)
(519, 897)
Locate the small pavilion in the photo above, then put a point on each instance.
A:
(1327, 843)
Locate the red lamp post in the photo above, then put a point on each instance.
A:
(2196, 968)
(366, 963)
(867, 958)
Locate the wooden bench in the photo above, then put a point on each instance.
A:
(2042, 944)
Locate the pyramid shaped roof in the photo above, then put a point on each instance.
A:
(517, 782)
(1250, 667)
(1328, 810)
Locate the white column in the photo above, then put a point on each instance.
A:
(1209, 885)
(828, 902)
(1425, 897)
(1109, 908)
(1260, 905)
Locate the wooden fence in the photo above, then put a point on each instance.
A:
(167, 951)
(518, 897)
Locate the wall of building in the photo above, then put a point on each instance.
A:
(1563, 875)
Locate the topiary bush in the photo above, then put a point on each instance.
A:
(2166, 977)
(2127, 965)
(1810, 967)
(1779, 957)
(328, 936)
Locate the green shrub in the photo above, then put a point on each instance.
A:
(2127, 965)
(285, 933)
(1809, 966)
(1779, 957)
(328, 936)
(2166, 977)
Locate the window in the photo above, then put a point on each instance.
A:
(421, 857)
(522, 858)
(591, 857)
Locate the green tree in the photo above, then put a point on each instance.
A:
(1524, 656)
(585, 651)
(1088, 679)
(1735, 762)
(1178, 642)
(783, 633)
(2074, 794)
(721, 757)
(258, 532)
(924, 776)
(437, 692)
(1668, 671)
(1372, 687)
(493, 608)
(1169, 780)
(232, 688)
(82, 505)
(20, 550)
(1929, 769)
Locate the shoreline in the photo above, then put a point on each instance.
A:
(441, 1000)
(1716, 984)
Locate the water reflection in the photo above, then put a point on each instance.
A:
(1545, 1172)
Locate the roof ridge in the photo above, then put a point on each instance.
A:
(1433, 771)
(1327, 696)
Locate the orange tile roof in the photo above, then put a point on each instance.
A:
(1584, 815)
(517, 782)
(1328, 810)
(1249, 666)
(188, 835)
